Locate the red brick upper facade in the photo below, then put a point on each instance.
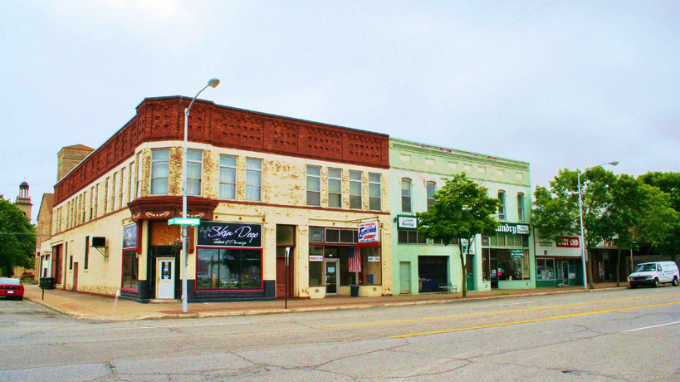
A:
(162, 119)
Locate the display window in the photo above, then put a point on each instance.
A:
(228, 269)
(130, 270)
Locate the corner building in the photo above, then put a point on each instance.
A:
(263, 186)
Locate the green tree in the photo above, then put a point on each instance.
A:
(668, 183)
(556, 210)
(461, 210)
(17, 239)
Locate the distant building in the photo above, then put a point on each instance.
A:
(23, 202)
(69, 157)
(43, 233)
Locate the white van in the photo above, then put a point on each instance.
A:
(654, 274)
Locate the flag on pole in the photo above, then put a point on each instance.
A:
(354, 258)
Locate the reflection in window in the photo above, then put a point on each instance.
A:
(355, 190)
(430, 194)
(228, 269)
(253, 179)
(374, 192)
(313, 186)
(520, 207)
(334, 188)
(227, 177)
(545, 269)
(159, 172)
(406, 195)
(501, 207)
(130, 273)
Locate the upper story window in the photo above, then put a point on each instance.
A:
(355, 190)
(374, 192)
(431, 188)
(253, 179)
(520, 207)
(194, 167)
(334, 188)
(406, 195)
(160, 168)
(227, 177)
(313, 186)
(501, 207)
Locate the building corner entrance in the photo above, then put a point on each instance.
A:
(165, 278)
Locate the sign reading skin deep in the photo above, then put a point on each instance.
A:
(230, 235)
(407, 222)
(369, 232)
(513, 229)
(130, 236)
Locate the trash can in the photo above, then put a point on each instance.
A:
(47, 283)
(354, 290)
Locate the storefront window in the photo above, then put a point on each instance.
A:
(511, 266)
(228, 269)
(316, 265)
(130, 267)
(545, 269)
(370, 265)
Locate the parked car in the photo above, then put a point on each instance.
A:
(653, 274)
(27, 275)
(11, 288)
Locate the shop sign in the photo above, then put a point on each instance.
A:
(373, 259)
(517, 254)
(369, 232)
(315, 257)
(407, 222)
(567, 242)
(130, 236)
(513, 229)
(464, 243)
(230, 235)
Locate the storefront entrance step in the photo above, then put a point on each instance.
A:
(164, 301)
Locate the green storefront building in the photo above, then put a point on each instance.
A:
(505, 261)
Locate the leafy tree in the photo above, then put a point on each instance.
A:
(668, 183)
(556, 210)
(461, 210)
(17, 238)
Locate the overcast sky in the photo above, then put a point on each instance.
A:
(559, 84)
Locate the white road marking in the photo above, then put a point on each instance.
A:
(178, 326)
(651, 327)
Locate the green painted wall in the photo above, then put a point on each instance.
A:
(423, 163)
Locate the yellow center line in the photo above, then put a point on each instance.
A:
(535, 320)
(496, 312)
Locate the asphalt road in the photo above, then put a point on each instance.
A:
(621, 335)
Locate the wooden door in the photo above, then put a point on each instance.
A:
(405, 278)
(75, 277)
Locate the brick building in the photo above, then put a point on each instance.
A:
(262, 185)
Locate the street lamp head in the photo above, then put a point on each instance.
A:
(614, 163)
(214, 82)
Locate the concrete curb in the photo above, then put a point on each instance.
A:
(308, 309)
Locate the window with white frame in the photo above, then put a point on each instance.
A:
(313, 186)
(227, 177)
(334, 188)
(406, 195)
(160, 169)
(194, 169)
(374, 192)
(431, 188)
(520, 207)
(355, 190)
(501, 207)
(254, 179)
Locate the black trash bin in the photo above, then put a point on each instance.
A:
(354, 291)
(47, 283)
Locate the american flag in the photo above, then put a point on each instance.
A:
(354, 258)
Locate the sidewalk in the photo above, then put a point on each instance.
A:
(93, 307)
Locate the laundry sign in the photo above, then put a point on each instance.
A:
(369, 233)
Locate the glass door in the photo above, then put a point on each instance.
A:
(565, 273)
(332, 270)
(493, 264)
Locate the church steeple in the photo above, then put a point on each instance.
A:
(23, 201)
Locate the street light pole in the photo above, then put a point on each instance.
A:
(185, 298)
(580, 215)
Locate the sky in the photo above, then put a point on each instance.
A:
(556, 83)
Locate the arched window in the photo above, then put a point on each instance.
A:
(431, 188)
(501, 207)
(406, 195)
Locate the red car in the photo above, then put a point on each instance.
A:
(11, 288)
